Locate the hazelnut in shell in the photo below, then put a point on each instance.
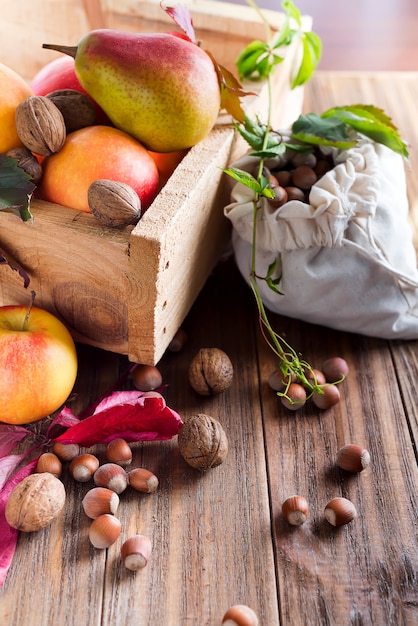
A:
(100, 500)
(35, 502)
(112, 476)
(135, 552)
(353, 458)
(49, 462)
(340, 511)
(119, 451)
(240, 615)
(143, 480)
(83, 466)
(104, 531)
(295, 510)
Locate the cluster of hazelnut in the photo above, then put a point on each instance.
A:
(101, 502)
(338, 511)
(294, 179)
(293, 394)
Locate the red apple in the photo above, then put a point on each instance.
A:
(167, 162)
(39, 364)
(94, 153)
(60, 74)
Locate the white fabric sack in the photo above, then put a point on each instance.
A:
(347, 260)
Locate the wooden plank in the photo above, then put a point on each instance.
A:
(211, 532)
(365, 572)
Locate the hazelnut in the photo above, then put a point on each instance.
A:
(327, 397)
(28, 162)
(83, 466)
(240, 615)
(147, 377)
(178, 341)
(294, 193)
(119, 451)
(295, 510)
(202, 442)
(353, 458)
(304, 177)
(135, 552)
(114, 203)
(340, 511)
(40, 125)
(295, 397)
(65, 451)
(100, 500)
(49, 462)
(210, 371)
(280, 197)
(335, 369)
(35, 502)
(112, 476)
(77, 109)
(104, 531)
(143, 480)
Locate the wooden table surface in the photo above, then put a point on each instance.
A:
(219, 537)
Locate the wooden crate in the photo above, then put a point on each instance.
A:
(129, 290)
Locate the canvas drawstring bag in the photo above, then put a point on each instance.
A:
(347, 259)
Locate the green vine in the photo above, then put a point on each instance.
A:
(340, 127)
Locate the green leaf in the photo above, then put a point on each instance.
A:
(292, 11)
(16, 188)
(243, 177)
(257, 61)
(314, 129)
(371, 122)
(311, 55)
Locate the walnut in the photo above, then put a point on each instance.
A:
(114, 203)
(210, 371)
(40, 125)
(35, 502)
(28, 162)
(77, 108)
(202, 442)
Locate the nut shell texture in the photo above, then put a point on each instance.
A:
(210, 371)
(353, 458)
(35, 502)
(203, 442)
(114, 203)
(40, 125)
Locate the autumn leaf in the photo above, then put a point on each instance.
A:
(132, 415)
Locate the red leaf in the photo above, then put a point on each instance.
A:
(10, 435)
(181, 16)
(9, 535)
(7, 466)
(133, 415)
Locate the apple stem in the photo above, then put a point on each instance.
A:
(70, 50)
(32, 299)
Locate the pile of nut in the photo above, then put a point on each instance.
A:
(43, 123)
(294, 178)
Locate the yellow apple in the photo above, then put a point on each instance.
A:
(94, 153)
(38, 364)
(13, 90)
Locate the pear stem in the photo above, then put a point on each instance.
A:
(70, 50)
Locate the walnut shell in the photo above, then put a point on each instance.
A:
(115, 204)
(35, 502)
(77, 109)
(40, 125)
(210, 371)
(28, 162)
(202, 442)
